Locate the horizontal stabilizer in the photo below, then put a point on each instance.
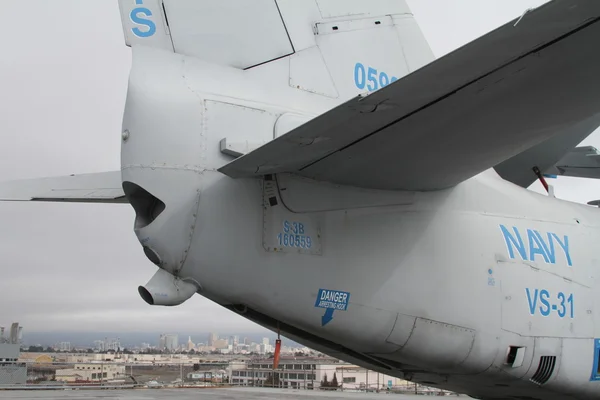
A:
(546, 155)
(510, 90)
(582, 162)
(103, 187)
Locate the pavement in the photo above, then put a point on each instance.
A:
(198, 394)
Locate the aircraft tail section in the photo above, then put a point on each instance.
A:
(144, 23)
(352, 46)
(333, 48)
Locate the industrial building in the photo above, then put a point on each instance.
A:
(12, 372)
(91, 373)
(310, 373)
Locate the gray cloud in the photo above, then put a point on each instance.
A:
(63, 77)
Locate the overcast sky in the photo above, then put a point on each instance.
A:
(63, 76)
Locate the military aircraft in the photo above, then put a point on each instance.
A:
(370, 200)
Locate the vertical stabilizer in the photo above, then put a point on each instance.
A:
(144, 23)
(237, 33)
(363, 45)
(332, 48)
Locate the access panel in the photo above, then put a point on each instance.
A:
(284, 231)
(238, 33)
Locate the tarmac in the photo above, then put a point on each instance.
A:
(199, 394)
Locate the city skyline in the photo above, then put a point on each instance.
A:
(127, 339)
(76, 267)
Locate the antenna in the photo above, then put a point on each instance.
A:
(538, 173)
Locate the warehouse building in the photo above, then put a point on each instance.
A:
(310, 373)
(91, 373)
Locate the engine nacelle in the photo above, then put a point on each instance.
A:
(164, 289)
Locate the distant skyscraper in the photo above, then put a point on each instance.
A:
(266, 341)
(221, 344)
(114, 344)
(99, 345)
(168, 341)
(172, 342)
(64, 346)
(190, 344)
(247, 340)
(264, 348)
(212, 338)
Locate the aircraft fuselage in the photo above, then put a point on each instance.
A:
(485, 288)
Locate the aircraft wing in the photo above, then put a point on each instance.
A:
(510, 90)
(581, 162)
(103, 187)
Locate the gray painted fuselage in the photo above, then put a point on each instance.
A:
(438, 291)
